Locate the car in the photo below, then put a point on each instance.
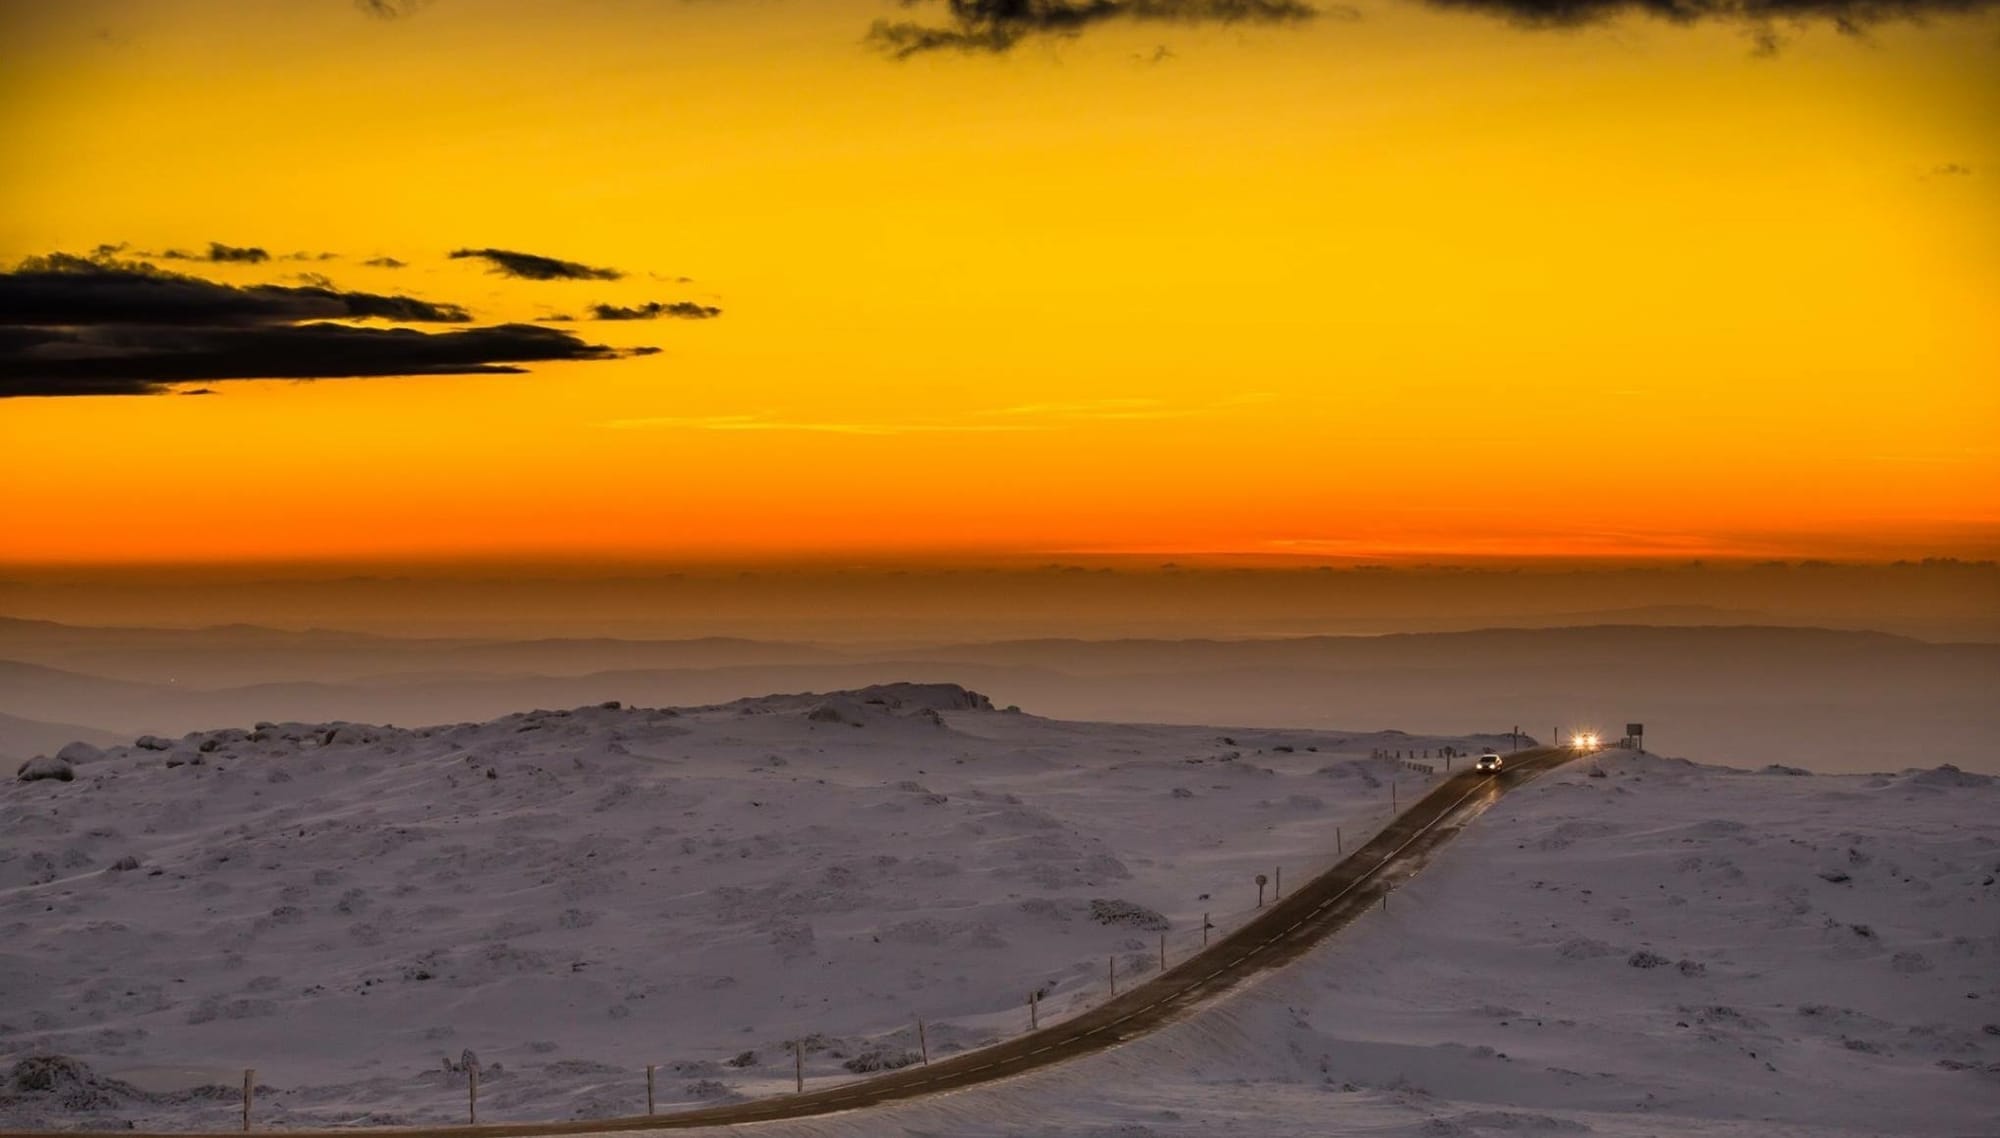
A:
(1487, 762)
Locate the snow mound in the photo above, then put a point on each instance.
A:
(79, 752)
(43, 767)
(1110, 911)
(60, 1081)
(901, 699)
(1948, 777)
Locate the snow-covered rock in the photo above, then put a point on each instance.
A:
(45, 767)
(79, 752)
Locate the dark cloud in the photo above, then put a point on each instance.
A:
(218, 253)
(145, 359)
(1952, 170)
(386, 263)
(310, 257)
(1761, 17)
(371, 305)
(534, 267)
(679, 309)
(65, 290)
(83, 326)
(998, 25)
(390, 9)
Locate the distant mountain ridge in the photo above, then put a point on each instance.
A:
(1826, 698)
(23, 738)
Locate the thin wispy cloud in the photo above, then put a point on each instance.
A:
(810, 426)
(656, 310)
(218, 254)
(390, 9)
(1132, 408)
(997, 26)
(1849, 16)
(536, 267)
(1460, 543)
(1026, 417)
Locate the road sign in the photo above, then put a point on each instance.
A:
(1635, 728)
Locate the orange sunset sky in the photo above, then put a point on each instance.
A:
(1395, 281)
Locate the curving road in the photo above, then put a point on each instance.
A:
(1278, 935)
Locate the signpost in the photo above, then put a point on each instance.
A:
(1637, 733)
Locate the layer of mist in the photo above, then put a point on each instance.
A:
(1829, 700)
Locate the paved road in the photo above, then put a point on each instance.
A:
(1278, 935)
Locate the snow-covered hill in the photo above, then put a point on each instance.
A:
(1668, 950)
(1631, 946)
(573, 895)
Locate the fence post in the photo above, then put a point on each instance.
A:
(1035, 1010)
(249, 1088)
(472, 1092)
(1163, 952)
(649, 1087)
(1205, 926)
(799, 1065)
(1278, 883)
(1111, 972)
(923, 1042)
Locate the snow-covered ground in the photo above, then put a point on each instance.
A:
(574, 895)
(1666, 949)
